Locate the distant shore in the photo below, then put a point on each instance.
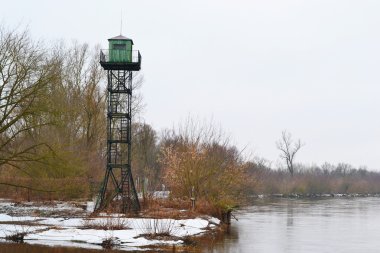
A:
(314, 195)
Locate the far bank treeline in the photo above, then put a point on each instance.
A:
(52, 139)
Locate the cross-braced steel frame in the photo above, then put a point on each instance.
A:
(118, 182)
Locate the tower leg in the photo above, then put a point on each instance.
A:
(119, 145)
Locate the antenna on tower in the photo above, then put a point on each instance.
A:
(121, 21)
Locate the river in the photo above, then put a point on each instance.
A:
(287, 225)
(328, 225)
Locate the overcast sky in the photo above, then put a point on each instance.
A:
(256, 67)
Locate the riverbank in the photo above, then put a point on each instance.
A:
(71, 224)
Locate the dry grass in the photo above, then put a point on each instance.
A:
(167, 208)
(45, 189)
(163, 229)
(21, 229)
(179, 208)
(16, 237)
(107, 223)
(203, 206)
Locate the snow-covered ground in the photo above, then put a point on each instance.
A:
(91, 232)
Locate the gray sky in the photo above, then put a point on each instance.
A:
(256, 67)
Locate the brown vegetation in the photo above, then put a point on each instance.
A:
(199, 163)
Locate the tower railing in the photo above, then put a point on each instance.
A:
(119, 56)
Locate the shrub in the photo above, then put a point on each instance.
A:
(154, 228)
(108, 223)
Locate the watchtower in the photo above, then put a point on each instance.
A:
(120, 60)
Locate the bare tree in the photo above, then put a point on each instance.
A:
(289, 149)
(138, 104)
(24, 73)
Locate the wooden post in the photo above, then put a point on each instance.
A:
(192, 198)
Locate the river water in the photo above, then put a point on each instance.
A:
(287, 225)
(327, 225)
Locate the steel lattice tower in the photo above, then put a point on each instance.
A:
(120, 61)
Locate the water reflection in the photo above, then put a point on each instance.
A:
(289, 216)
(29, 248)
(328, 225)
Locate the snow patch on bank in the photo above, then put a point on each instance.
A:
(89, 232)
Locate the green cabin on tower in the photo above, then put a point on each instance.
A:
(120, 55)
(120, 49)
